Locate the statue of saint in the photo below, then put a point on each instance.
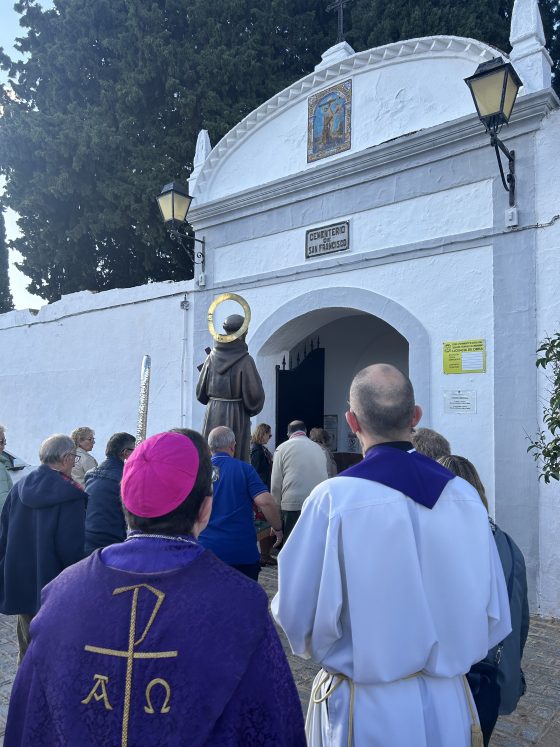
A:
(231, 388)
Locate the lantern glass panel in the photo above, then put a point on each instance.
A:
(487, 93)
(165, 202)
(181, 207)
(511, 94)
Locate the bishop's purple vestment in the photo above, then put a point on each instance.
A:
(181, 654)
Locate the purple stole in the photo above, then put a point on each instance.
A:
(398, 466)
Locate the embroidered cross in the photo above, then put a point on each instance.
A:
(131, 654)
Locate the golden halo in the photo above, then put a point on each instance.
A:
(212, 309)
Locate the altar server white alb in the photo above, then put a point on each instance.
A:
(391, 581)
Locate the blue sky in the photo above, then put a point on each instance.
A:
(9, 30)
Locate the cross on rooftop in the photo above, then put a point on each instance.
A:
(339, 5)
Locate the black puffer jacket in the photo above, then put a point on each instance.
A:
(41, 534)
(105, 522)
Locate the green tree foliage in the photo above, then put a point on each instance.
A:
(5, 295)
(109, 101)
(545, 447)
(377, 22)
(111, 96)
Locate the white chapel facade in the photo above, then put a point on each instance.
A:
(360, 212)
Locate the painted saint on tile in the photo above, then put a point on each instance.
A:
(329, 120)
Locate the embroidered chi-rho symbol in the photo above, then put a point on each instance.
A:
(100, 692)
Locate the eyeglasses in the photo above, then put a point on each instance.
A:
(215, 474)
(2, 440)
(75, 456)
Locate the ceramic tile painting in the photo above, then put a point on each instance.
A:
(329, 121)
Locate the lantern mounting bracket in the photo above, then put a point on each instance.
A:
(182, 238)
(509, 181)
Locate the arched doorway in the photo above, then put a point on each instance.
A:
(313, 383)
(367, 328)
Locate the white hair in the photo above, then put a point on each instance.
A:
(221, 438)
(54, 448)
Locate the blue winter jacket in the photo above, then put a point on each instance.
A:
(41, 534)
(105, 523)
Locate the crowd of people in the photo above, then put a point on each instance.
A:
(140, 622)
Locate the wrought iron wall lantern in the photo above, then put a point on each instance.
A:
(494, 87)
(174, 202)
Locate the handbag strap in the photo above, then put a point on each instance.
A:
(500, 647)
(510, 579)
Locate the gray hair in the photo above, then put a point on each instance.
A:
(2, 428)
(54, 448)
(431, 443)
(382, 399)
(221, 438)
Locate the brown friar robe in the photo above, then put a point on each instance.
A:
(232, 389)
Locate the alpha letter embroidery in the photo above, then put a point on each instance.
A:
(100, 684)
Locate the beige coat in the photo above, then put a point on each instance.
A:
(299, 465)
(83, 465)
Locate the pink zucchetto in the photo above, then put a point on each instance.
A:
(159, 475)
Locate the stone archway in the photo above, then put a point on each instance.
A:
(301, 317)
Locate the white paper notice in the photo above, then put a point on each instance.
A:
(472, 361)
(459, 400)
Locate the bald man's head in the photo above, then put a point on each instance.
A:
(382, 398)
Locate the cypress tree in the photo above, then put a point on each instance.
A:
(5, 295)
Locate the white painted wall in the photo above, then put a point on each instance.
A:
(450, 296)
(77, 362)
(351, 344)
(440, 214)
(424, 76)
(547, 200)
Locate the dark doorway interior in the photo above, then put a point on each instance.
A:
(300, 393)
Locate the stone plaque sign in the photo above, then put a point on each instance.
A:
(328, 239)
(459, 400)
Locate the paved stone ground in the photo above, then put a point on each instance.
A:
(8, 658)
(537, 718)
(536, 721)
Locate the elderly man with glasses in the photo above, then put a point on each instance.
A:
(41, 532)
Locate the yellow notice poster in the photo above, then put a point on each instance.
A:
(464, 357)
